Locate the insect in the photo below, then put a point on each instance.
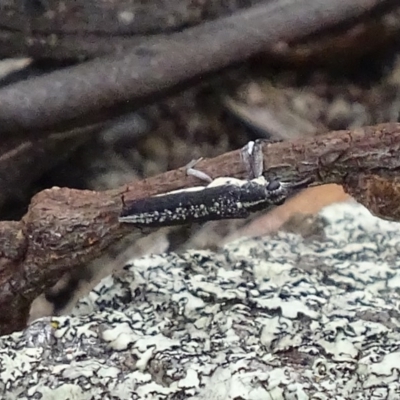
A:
(222, 198)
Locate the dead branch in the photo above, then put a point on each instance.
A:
(23, 160)
(114, 18)
(381, 195)
(85, 29)
(108, 86)
(65, 228)
(338, 46)
(91, 28)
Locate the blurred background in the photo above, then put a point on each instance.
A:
(343, 77)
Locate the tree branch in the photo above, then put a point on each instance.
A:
(115, 18)
(113, 83)
(23, 160)
(65, 228)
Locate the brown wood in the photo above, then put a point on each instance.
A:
(65, 228)
(381, 195)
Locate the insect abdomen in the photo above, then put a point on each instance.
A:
(215, 203)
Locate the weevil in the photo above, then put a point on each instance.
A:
(222, 198)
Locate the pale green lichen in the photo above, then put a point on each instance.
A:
(268, 318)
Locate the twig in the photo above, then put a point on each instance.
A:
(65, 228)
(85, 29)
(381, 195)
(22, 161)
(113, 83)
(115, 18)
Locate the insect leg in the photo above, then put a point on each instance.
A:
(253, 159)
(195, 172)
(298, 185)
(245, 154)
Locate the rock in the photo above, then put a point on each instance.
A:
(268, 318)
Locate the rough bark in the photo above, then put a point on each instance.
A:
(65, 228)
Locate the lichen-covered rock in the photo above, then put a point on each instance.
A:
(270, 318)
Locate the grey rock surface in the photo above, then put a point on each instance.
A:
(269, 318)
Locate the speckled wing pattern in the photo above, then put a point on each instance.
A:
(209, 204)
(269, 318)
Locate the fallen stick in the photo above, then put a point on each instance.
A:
(109, 86)
(65, 228)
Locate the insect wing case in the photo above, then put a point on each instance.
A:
(176, 208)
